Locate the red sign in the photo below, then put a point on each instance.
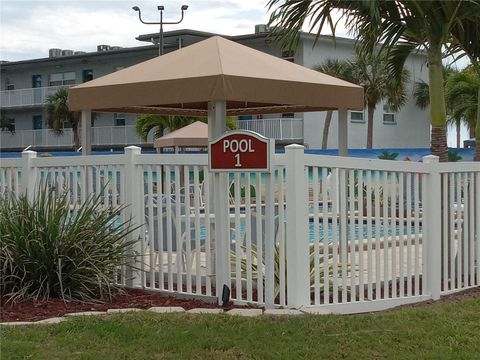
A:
(240, 151)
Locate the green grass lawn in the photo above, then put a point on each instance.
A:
(441, 331)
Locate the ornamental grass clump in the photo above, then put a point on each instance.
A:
(51, 248)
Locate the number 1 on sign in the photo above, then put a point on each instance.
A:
(237, 157)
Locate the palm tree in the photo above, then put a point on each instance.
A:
(159, 123)
(466, 40)
(461, 96)
(421, 95)
(403, 26)
(58, 113)
(371, 72)
(5, 124)
(340, 69)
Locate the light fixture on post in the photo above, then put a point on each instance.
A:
(160, 8)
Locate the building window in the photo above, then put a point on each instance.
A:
(357, 117)
(119, 119)
(87, 75)
(388, 115)
(288, 115)
(10, 87)
(60, 79)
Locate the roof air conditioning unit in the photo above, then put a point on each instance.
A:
(53, 53)
(79, 53)
(115, 47)
(261, 28)
(103, 48)
(67, 52)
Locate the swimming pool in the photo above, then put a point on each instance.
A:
(375, 228)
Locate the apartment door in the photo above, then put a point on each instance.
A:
(37, 127)
(37, 122)
(37, 91)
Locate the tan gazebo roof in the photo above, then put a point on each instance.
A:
(194, 135)
(184, 81)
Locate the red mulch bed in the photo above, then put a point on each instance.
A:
(38, 310)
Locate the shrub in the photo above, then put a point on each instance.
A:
(453, 156)
(328, 258)
(49, 248)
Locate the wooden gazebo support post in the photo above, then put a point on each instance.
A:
(86, 119)
(342, 132)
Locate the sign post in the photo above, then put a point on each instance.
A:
(240, 151)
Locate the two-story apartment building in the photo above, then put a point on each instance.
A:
(26, 84)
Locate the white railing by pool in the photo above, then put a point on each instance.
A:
(101, 136)
(279, 129)
(27, 97)
(346, 235)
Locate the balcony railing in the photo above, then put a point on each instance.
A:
(101, 136)
(26, 97)
(279, 129)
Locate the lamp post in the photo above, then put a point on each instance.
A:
(161, 23)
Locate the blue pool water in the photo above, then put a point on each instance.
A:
(414, 154)
(330, 231)
(375, 228)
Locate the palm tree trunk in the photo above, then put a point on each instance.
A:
(437, 101)
(371, 111)
(326, 128)
(458, 126)
(477, 130)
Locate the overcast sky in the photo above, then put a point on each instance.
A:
(30, 28)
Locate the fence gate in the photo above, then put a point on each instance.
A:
(249, 218)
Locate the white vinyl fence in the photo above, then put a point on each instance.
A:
(340, 234)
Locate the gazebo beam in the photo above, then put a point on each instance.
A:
(342, 132)
(86, 119)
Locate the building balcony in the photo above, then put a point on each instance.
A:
(26, 97)
(282, 129)
(286, 129)
(46, 138)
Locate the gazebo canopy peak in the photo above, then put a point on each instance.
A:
(184, 81)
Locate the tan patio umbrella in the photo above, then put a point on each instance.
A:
(193, 135)
(215, 77)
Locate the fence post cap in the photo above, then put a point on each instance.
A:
(294, 146)
(133, 148)
(430, 159)
(29, 153)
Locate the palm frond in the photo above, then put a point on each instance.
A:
(421, 94)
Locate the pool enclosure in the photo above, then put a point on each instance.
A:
(324, 233)
(330, 233)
